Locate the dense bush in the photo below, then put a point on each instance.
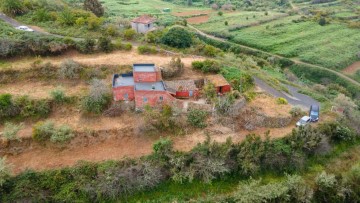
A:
(144, 49)
(105, 44)
(69, 69)
(86, 46)
(12, 7)
(44, 131)
(11, 130)
(281, 100)
(177, 37)
(58, 95)
(197, 118)
(173, 69)
(98, 99)
(4, 171)
(129, 34)
(207, 66)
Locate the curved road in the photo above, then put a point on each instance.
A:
(295, 99)
(271, 54)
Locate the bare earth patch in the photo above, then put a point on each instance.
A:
(41, 90)
(352, 68)
(198, 19)
(268, 105)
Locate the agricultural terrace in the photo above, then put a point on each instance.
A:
(131, 8)
(331, 46)
(216, 23)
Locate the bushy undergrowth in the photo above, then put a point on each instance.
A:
(197, 118)
(44, 131)
(23, 107)
(207, 66)
(98, 99)
(11, 131)
(206, 162)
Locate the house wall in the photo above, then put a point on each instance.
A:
(224, 89)
(153, 98)
(141, 28)
(186, 94)
(119, 93)
(145, 77)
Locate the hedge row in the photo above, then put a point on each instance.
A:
(321, 76)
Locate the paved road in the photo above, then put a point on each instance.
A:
(295, 99)
(271, 54)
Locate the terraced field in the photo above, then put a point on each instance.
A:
(331, 46)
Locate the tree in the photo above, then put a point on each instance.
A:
(94, 6)
(12, 7)
(177, 37)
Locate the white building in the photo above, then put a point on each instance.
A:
(143, 23)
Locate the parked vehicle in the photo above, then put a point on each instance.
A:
(314, 113)
(305, 120)
(25, 28)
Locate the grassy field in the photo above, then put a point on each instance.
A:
(331, 46)
(216, 23)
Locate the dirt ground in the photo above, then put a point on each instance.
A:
(117, 147)
(198, 19)
(191, 13)
(41, 90)
(269, 106)
(113, 58)
(352, 68)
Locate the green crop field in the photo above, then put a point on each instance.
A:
(133, 8)
(331, 46)
(216, 23)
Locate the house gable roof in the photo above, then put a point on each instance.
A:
(144, 19)
(217, 80)
(181, 85)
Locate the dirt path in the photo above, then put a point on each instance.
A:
(41, 90)
(353, 68)
(268, 53)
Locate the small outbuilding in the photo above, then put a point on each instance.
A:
(221, 84)
(182, 88)
(143, 24)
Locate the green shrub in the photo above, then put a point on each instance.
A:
(127, 47)
(210, 51)
(86, 46)
(296, 111)
(144, 49)
(336, 131)
(58, 95)
(69, 69)
(226, 23)
(4, 171)
(42, 15)
(105, 45)
(62, 134)
(220, 13)
(7, 107)
(207, 66)
(66, 17)
(177, 37)
(32, 108)
(12, 7)
(129, 34)
(94, 22)
(11, 130)
(250, 95)
(42, 131)
(98, 99)
(197, 118)
(281, 100)
(163, 147)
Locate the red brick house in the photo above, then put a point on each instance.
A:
(144, 85)
(182, 88)
(222, 86)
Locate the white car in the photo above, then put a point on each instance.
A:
(305, 120)
(25, 28)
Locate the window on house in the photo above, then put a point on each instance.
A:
(145, 99)
(161, 98)
(148, 25)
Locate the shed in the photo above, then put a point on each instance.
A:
(182, 88)
(221, 84)
(143, 24)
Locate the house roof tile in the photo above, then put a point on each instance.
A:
(180, 85)
(144, 19)
(217, 80)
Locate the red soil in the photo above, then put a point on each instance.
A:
(352, 68)
(192, 13)
(198, 19)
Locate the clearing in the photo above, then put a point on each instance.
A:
(353, 68)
